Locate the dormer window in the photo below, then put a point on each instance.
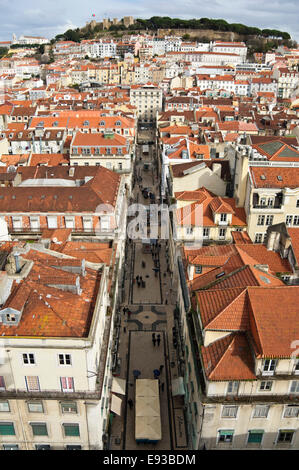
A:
(118, 123)
(86, 123)
(269, 366)
(11, 317)
(223, 217)
(102, 123)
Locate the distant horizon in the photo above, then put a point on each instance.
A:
(52, 18)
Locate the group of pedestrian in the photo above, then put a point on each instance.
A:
(140, 281)
(127, 311)
(156, 340)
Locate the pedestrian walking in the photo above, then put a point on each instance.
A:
(137, 278)
(161, 368)
(153, 336)
(162, 387)
(158, 340)
(129, 314)
(124, 310)
(130, 403)
(125, 329)
(154, 341)
(138, 283)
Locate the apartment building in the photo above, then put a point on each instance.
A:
(272, 197)
(106, 149)
(55, 368)
(89, 201)
(241, 387)
(287, 82)
(148, 101)
(203, 217)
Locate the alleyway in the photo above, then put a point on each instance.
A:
(151, 306)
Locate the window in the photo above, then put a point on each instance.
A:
(266, 385)
(296, 220)
(295, 386)
(258, 238)
(229, 412)
(261, 411)
(291, 411)
(255, 436)
(65, 359)
(296, 366)
(263, 201)
(198, 269)
(71, 429)
(32, 383)
(223, 217)
(270, 202)
(289, 219)
(261, 220)
(7, 429)
(4, 406)
(35, 407)
(222, 232)
(297, 203)
(71, 447)
(52, 221)
(42, 447)
(69, 222)
(233, 388)
(69, 407)
(39, 429)
(269, 220)
(10, 447)
(189, 230)
(285, 436)
(269, 366)
(28, 358)
(2, 383)
(226, 436)
(67, 384)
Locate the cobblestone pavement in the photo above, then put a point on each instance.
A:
(152, 310)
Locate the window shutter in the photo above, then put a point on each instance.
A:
(7, 429)
(32, 383)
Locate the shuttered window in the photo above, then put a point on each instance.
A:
(7, 429)
(255, 436)
(39, 429)
(71, 429)
(32, 383)
(67, 384)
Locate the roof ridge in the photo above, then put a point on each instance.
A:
(223, 311)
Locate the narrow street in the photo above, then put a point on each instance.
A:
(151, 303)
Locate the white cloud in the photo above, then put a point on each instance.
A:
(53, 17)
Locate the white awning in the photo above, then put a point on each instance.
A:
(178, 387)
(147, 388)
(116, 403)
(118, 386)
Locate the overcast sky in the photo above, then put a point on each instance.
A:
(50, 17)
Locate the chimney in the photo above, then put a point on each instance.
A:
(17, 261)
(216, 168)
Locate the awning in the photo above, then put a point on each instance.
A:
(147, 388)
(148, 427)
(178, 387)
(147, 406)
(115, 406)
(118, 386)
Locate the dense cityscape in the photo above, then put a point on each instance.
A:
(149, 238)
